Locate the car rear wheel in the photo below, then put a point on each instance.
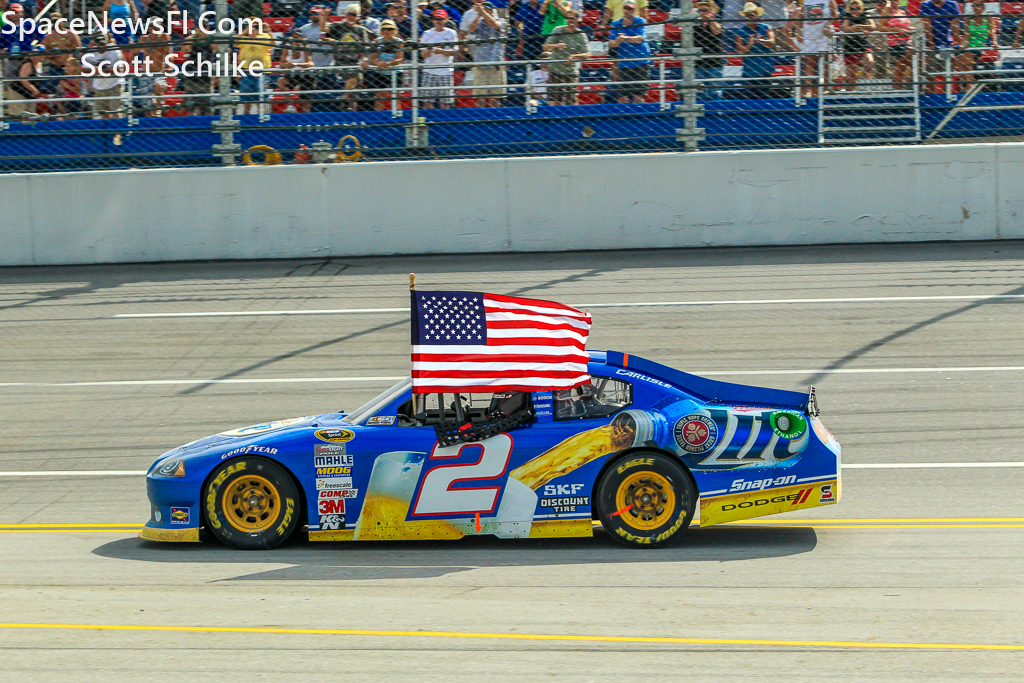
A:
(251, 503)
(645, 499)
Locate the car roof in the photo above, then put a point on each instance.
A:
(712, 391)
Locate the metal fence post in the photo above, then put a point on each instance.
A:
(688, 110)
(228, 150)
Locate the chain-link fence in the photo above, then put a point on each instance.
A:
(362, 88)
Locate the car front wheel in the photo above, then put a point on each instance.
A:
(251, 503)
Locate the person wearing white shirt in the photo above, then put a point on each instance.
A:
(106, 86)
(437, 82)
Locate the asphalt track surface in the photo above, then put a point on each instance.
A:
(914, 576)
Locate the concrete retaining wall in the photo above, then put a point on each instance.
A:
(816, 196)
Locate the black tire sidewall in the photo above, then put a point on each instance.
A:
(231, 470)
(650, 461)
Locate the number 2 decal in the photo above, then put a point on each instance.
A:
(463, 480)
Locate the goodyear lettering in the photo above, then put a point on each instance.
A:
(635, 462)
(761, 484)
(249, 450)
(630, 537)
(211, 493)
(672, 529)
(332, 460)
(288, 512)
(333, 471)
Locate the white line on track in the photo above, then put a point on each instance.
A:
(639, 304)
(872, 466)
(396, 378)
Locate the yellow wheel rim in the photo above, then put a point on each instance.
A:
(251, 504)
(645, 500)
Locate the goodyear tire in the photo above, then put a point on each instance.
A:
(645, 499)
(251, 503)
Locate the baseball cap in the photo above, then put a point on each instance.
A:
(387, 23)
(440, 14)
(629, 3)
(14, 7)
(354, 9)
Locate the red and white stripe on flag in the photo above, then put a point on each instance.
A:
(472, 342)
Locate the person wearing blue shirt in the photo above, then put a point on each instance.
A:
(13, 41)
(942, 34)
(629, 36)
(755, 38)
(529, 21)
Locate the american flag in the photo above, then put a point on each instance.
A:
(474, 342)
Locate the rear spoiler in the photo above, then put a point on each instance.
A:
(715, 391)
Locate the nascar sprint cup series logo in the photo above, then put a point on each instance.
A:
(696, 433)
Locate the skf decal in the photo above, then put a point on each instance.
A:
(249, 450)
(754, 503)
(335, 435)
(696, 434)
(179, 515)
(381, 420)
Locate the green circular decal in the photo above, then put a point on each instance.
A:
(788, 424)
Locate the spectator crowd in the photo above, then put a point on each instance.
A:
(355, 55)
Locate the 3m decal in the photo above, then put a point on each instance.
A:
(179, 516)
(334, 484)
(331, 506)
(335, 435)
(463, 480)
(696, 434)
(381, 420)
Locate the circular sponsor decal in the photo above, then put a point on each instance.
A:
(335, 435)
(253, 430)
(788, 424)
(696, 433)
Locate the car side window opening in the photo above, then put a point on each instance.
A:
(424, 410)
(601, 397)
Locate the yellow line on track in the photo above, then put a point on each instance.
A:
(521, 636)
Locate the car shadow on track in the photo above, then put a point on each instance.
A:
(429, 559)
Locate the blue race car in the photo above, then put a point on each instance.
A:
(642, 447)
